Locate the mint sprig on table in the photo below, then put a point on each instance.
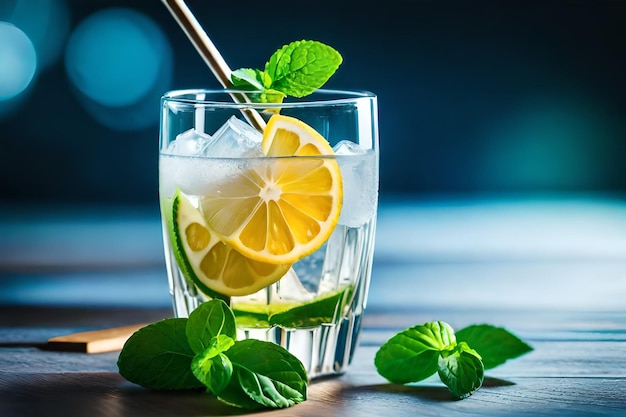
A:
(459, 358)
(296, 69)
(203, 351)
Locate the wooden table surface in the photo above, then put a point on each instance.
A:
(552, 271)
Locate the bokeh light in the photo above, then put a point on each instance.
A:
(47, 24)
(119, 62)
(110, 57)
(18, 61)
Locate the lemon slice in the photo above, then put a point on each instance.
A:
(211, 263)
(288, 136)
(279, 210)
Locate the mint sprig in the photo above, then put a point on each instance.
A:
(297, 69)
(459, 359)
(202, 351)
(495, 344)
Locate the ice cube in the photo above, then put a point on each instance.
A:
(235, 139)
(359, 171)
(197, 176)
(290, 289)
(185, 163)
(309, 269)
(188, 143)
(346, 147)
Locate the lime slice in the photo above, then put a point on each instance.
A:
(169, 208)
(214, 266)
(321, 310)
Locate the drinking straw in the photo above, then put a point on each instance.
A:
(210, 54)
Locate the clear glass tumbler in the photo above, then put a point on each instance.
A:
(272, 207)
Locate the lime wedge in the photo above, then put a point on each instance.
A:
(212, 264)
(322, 310)
(170, 208)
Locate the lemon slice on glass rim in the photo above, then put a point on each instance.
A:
(279, 209)
(215, 267)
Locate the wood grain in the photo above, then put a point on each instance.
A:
(530, 270)
(579, 370)
(95, 341)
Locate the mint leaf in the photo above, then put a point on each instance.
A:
(264, 375)
(235, 396)
(301, 67)
(412, 355)
(214, 371)
(461, 369)
(250, 79)
(159, 357)
(495, 345)
(460, 359)
(209, 320)
(202, 352)
(296, 69)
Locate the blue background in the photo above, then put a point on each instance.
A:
(474, 96)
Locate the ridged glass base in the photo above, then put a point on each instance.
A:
(324, 349)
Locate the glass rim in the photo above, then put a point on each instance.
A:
(319, 97)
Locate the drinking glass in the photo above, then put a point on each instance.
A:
(209, 146)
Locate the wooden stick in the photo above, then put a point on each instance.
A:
(96, 341)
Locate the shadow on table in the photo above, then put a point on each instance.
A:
(81, 394)
(434, 393)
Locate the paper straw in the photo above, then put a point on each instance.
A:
(210, 54)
